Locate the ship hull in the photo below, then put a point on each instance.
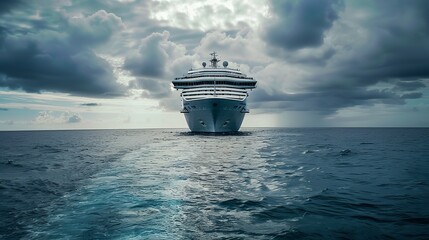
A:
(214, 115)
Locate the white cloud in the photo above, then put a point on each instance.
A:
(49, 117)
(209, 15)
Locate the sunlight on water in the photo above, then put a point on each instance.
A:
(291, 183)
(169, 188)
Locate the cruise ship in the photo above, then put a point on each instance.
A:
(214, 97)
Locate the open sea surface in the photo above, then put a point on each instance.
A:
(291, 183)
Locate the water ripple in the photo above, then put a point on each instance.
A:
(173, 184)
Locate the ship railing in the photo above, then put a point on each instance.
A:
(216, 75)
(216, 95)
(193, 84)
(215, 90)
(188, 98)
(218, 89)
(203, 70)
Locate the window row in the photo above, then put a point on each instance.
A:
(231, 76)
(178, 84)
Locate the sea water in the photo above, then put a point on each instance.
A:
(303, 183)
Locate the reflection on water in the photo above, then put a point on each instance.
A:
(257, 184)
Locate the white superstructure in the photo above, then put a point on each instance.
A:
(214, 98)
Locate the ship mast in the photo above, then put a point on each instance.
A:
(214, 60)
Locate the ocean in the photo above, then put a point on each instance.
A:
(276, 183)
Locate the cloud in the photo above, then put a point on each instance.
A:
(152, 88)
(324, 102)
(379, 57)
(155, 65)
(151, 59)
(7, 122)
(74, 118)
(301, 24)
(94, 29)
(49, 117)
(45, 117)
(7, 5)
(90, 104)
(413, 95)
(409, 85)
(307, 55)
(52, 60)
(208, 15)
(243, 47)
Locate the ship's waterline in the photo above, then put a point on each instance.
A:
(214, 98)
(214, 115)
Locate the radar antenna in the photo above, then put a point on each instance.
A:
(214, 60)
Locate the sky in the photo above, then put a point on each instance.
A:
(75, 64)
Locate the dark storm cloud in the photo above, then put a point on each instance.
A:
(52, 59)
(396, 50)
(383, 66)
(325, 102)
(90, 104)
(409, 85)
(46, 49)
(33, 67)
(7, 5)
(53, 49)
(413, 95)
(155, 64)
(300, 24)
(151, 59)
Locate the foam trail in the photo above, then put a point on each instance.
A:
(125, 200)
